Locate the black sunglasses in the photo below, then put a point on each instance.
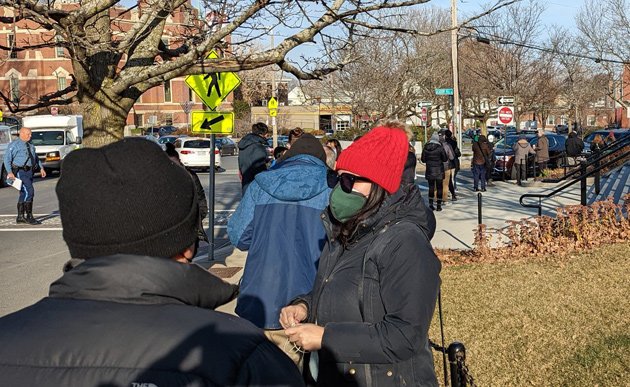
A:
(347, 180)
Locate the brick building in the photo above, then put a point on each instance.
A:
(27, 75)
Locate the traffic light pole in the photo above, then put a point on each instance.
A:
(211, 200)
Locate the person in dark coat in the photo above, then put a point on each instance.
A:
(542, 150)
(452, 185)
(252, 154)
(434, 156)
(367, 318)
(574, 147)
(278, 223)
(131, 310)
(480, 162)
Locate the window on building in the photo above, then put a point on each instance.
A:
(14, 83)
(168, 119)
(563, 120)
(190, 94)
(61, 82)
(590, 120)
(59, 53)
(11, 44)
(551, 120)
(139, 120)
(343, 125)
(167, 91)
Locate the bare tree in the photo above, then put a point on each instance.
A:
(113, 66)
(604, 29)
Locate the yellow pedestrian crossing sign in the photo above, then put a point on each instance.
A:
(212, 122)
(273, 103)
(273, 112)
(213, 88)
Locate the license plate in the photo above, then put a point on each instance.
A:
(202, 152)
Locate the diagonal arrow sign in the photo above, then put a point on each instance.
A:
(208, 124)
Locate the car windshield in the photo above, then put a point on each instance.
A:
(164, 140)
(53, 137)
(197, 144)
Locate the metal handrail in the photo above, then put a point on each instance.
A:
(570, 183)
(602, 153)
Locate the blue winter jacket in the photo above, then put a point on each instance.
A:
(279, 222)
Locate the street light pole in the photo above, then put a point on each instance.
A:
(456, 110)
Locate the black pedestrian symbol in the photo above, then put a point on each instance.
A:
(216, 77)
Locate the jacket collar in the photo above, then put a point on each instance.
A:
(142, 280)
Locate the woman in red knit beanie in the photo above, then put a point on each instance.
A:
(367, 318)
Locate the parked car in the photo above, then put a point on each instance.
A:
(604, 133)
(194, 153)
(166, 130)
(5, 139)
(282, 141)
(504, 153)
(171, 139)
(226, 146)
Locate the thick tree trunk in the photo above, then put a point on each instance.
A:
(103, 122)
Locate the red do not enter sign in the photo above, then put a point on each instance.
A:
(506, 115)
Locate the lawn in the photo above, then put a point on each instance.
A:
(544, 322)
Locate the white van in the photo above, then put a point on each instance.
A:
(5, 139)
(54, 137)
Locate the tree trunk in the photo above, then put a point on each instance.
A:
(103, 123)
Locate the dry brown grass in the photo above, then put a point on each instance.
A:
(547, 321)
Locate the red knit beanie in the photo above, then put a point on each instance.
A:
(380, 156)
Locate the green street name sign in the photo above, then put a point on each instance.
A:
(443, 91)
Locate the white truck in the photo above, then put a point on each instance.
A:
(54, 137)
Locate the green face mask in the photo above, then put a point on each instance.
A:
(345, 205)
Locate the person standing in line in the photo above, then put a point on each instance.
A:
(542, 150)
(21, 160)
(449, 167)
(481, 157)
(335, 145)
(434, 156)
(278, 222)
(597, 144)
(452, 185)
(522, 150)
(574, 147)
(252, 154)
(294, 135)
(131, 310)
(366, 321)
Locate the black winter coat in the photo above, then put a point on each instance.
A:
(130, 320)
(252, 158)
(434, 156)
(376, 299)
(574, 145)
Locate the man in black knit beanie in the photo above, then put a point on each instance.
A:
(134, 312)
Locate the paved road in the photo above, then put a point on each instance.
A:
(31, 257)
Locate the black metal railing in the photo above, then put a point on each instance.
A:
(596, 162)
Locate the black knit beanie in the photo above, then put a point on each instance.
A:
(126, 198)
(307, 144)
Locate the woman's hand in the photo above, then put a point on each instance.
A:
(292, 315)
(306, 336)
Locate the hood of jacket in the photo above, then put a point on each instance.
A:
(251, 139)
(298, 178)
(523, 143)
(143, 280)
(431, 146)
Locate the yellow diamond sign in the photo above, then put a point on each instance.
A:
(212, 122)
(213, 88)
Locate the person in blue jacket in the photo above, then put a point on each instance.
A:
(21, 160)
(279, 222)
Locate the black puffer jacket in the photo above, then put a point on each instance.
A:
(130, 320)
(252, 158)
(434, 156)
(574, 145)
(377, 319)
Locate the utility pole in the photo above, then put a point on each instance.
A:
(457, 127)
(273, 95)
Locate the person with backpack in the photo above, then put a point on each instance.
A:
(480, 162)
(434, 156)
(452, 185)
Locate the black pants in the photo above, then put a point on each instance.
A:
(521, 172)
(435, 185)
